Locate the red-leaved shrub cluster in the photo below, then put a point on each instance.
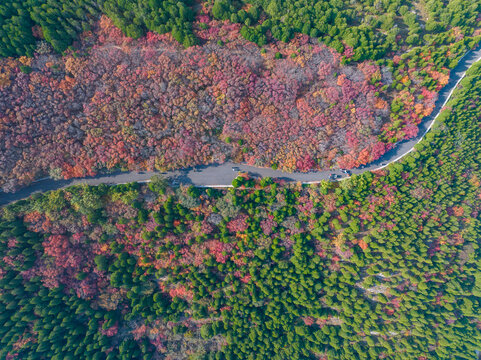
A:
(150, 104)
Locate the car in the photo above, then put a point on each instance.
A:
(235, 168)
(345, 171)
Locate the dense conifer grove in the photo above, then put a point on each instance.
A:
(372, 27)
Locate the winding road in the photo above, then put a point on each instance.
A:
(221, 175)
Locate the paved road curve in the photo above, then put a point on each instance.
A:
(222, 175)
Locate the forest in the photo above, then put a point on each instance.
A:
(385, 265)
(118, 103)
(373, 28)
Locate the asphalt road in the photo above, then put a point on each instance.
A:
(221, 175)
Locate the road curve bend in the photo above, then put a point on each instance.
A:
(221, 175)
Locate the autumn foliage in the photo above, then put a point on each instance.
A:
(115, 102)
